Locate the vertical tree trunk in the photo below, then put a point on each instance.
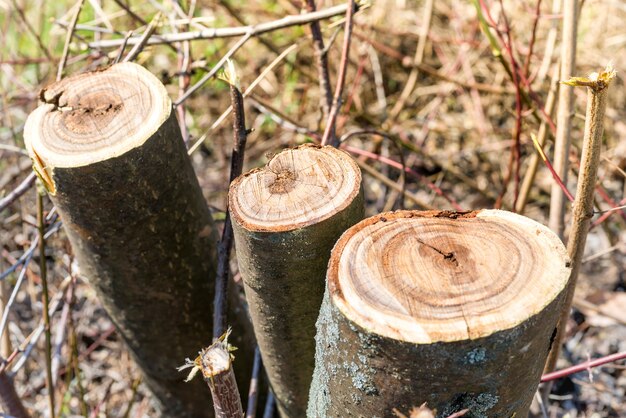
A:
(453, 309)
(108, 148)
(286, 218)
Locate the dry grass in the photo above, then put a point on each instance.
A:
(458, 126)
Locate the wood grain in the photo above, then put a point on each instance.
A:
(454, 309)
(298, 187)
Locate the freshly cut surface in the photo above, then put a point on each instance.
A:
(298, 187)
(425, 277)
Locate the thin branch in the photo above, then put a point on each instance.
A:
(270, 405)
(431, 71)
(542, 134)
(419, 57)
(533, 37)
(582, 211)
(240, 135)
(143, 40)
(29, 342)
(326, 99)
(253, 30)
(253, 393)
(409, 171)
(68, 39)
(18, 191)
(214, 70)
(588, 365)
(565, 113)
(329, 138)
(249, 90)
(120, 52)
(45, 299)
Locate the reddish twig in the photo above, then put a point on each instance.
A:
(531, 43)
(329, 138)
(606, 214)
(587, 365)
(408, 170)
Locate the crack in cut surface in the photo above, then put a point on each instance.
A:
(449, 256)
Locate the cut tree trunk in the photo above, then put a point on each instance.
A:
(454, 309)
(108, 148)
(286, 218)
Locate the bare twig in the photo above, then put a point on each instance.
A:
(326, 98)
(31, 30)
(514, 161)
(419, 57)
(341, 78)
(533, 165)
(583, 204)
(240, 135)
(143, 40)
(120, 52)
(394, 185)
(130, 12)
(45, 299)
(565, 113)
(18, 191)
(588, 365)
(214, 70)
(26, 347)
(11, 301)
(68, 39)
(431, 71)
(533, 37)
(409, 171)
(253, 393)
(249, 90)
(270, 405)
(253, 30)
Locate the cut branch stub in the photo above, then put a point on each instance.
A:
(286, 218)
(217, 369)
(108, 148)
(453, 309)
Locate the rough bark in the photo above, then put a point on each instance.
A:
(454, 309)
(108, 148)
(218, 372)
(286, 217)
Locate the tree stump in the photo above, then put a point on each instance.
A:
(108, 148)
(454, 309)
(286, 218)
